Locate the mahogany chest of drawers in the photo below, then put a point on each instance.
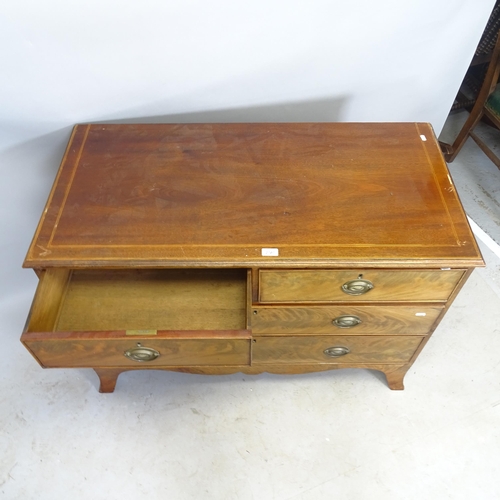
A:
(223, 248)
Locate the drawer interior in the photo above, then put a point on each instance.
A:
(150, 299)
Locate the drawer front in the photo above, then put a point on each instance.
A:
(351, 319)
(356, 285)
(339, 349)
(84, 350)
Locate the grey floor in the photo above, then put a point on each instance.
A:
(320, 436)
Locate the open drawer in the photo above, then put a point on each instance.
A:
(134, 318)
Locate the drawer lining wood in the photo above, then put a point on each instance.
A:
(95, 300)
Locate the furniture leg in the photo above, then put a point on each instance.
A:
(107, 378)
(395, 378)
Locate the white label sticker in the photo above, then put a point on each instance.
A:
(422, 136)
(420, 314)
(270, 252)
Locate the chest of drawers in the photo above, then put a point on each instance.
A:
(223, 248)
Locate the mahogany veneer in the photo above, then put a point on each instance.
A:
(218, 248)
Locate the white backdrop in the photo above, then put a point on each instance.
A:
(69, 61)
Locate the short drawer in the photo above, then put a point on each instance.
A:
(114, 349)
(356, 285)
(334, 349)
(351, 319)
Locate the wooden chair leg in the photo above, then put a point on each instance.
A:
(486, 150)
(450, 152)
(107, 378)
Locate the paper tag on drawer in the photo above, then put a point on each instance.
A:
(270, 252)
(141, 332)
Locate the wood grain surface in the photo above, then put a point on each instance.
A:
(175, 348)
(164, 195)
(375, 320)
(310, 349)
(325, 285)
(48, 299)
(157, 299)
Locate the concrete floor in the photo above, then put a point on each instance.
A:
(320, 436)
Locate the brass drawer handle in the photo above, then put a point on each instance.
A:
(141, 354)
(336, 352)
(347, 321)
(357, 287)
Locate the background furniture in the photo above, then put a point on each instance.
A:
(486, 105)
(478, 67)
(480, 91)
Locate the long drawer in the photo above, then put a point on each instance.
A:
(351, 319)
(140, 318)
(334, 349)
(277, 286)
(113, 349)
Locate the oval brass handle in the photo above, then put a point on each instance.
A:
(142, 354)
(357, 287)
(347, 321)
(336, 352)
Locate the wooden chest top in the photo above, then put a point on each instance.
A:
(266, 195)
